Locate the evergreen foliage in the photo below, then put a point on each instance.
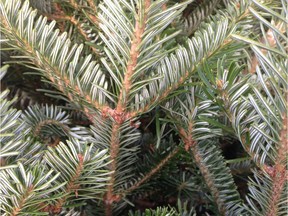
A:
(144, 96)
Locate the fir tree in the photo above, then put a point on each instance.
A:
(146, 93)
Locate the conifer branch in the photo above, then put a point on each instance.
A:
(40, 125)
(152, 172)
(279, 173)
(210, 178)
(74, 4)
(161, 97)
(226, 42)
(77, 7)
(27, 189)
(263, 166)
(92, 5)
(198, 15)
(181, 81)
(190, 144)
(225, 98)
(187, 136)
(226, 104)
(17, 209)
(145, 60)
(71, 187)
(259, 164)
(76, 23)
(119, 114)
(134, 53)
(110, 197)
(52, 72)
(270, 39)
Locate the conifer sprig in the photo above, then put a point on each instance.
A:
(201, 88)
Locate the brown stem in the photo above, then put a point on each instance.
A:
(91, 3)
(23, 199)
(110, 197)
(119, 114)
(41, 124)
(71, 187)
(208, 179)
(83, 33)
(132, 63)
(74, 4)
(191, 144)
(225, 98)
(279, 174)
(153, 171)
(187, 137)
